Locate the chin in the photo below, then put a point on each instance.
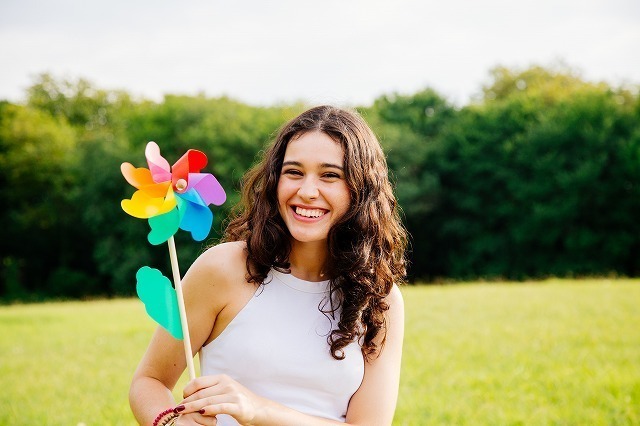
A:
(306, 238)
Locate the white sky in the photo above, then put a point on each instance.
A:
(336, 51)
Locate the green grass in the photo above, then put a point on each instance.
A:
(552, 353)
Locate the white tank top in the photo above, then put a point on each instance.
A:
(276, 346)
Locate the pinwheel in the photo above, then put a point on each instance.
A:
(171, 198)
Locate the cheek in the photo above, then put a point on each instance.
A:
(344, 200)
(283, 193)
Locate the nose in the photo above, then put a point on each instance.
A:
(308, 189)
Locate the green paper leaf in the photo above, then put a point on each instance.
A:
(160, 300)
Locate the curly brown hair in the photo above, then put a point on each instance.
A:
(367, 244)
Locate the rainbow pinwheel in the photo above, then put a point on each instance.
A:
(173, 198)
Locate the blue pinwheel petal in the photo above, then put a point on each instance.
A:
(192, 196)
(196, 217)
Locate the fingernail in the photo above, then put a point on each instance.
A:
(201, 411)
(179, 408)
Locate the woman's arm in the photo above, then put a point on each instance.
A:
(207, 290)
(373, 403)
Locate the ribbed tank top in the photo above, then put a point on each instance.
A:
(276, 346)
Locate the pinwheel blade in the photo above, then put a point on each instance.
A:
(159, 167)
(191, 162)
(197, 219)
(208, 188)
(163, 226)
(137, 177)
(160, 300)
(142, 205)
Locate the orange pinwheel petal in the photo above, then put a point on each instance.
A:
(156, 190)
(137, 177)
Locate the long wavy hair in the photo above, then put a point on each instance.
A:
(366, 245)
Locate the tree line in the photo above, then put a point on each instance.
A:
(538, 176)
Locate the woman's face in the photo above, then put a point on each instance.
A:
(312, 190)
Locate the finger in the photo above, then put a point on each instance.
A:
(199, 383)
(199, 404)
(221, 408)
(204, 393)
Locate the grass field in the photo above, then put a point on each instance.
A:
(551, 353)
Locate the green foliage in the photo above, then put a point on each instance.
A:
(35, 157)
(538, 177)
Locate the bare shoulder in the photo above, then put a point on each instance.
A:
(224, 256)
(219, 267)
(394, 298)
(395, 316)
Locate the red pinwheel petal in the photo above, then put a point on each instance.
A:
(191, 162)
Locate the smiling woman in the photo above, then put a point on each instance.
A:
(297, 316)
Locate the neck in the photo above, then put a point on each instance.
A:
(308, 260)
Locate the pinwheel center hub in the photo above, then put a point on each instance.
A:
(181, 185)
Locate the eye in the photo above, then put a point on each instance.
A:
(331, 175)
(292, 172)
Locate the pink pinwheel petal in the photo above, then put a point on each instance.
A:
(159, 167)
(137, 177)
(207, 187)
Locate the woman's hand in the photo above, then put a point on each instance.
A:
(220, 394)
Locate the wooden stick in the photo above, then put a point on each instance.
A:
(181, 308)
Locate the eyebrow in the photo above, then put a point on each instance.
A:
(323, 165)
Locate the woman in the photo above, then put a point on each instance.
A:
(296, 315)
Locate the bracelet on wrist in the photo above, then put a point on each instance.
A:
(164, 417)
(170, 420)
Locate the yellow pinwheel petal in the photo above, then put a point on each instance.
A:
(142, 206)
(169, 202)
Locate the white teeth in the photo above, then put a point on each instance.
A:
(309, 212)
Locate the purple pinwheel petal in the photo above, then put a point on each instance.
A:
(208, 187)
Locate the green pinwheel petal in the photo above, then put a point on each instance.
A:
(164, 226)
(160, 300)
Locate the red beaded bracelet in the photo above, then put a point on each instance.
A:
(159, 417)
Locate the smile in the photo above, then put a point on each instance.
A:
(310, 213)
